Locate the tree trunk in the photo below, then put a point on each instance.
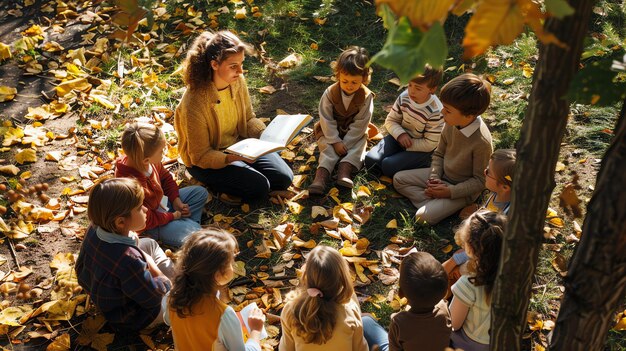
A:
(596, 280)
(537, 154)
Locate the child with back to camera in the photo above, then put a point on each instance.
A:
(426, 325)
(481, 237)
(345, 110)
(173, 213)
(323, 314)
(456, 176)
(126, 276)
(199, 320)
(414, 125)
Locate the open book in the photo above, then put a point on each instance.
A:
(275, 137)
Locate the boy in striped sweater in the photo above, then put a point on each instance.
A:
(414, 125)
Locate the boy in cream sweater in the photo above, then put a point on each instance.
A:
(456, 176)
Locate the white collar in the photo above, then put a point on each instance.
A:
(469, 129)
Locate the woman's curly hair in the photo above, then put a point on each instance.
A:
(207, 47)
(204, 253)
(482, 235)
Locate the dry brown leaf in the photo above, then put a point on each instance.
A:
(559, 263)
(389, 275)
(348, 233)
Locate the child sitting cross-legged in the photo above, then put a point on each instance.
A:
(426, 325)
(126, 277)
(414, 125)
(345, 111)
(456, 176)
(172, 213)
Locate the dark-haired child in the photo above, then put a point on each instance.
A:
(199, 320)
(345, 111)
(426, 325)
(456, 176)
(481, 237)
(414, 125)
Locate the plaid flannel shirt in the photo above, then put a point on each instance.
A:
(117, 279)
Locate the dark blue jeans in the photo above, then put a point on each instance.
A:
(251, 182)
(389, 157)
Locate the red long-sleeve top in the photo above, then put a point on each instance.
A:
(157, 184)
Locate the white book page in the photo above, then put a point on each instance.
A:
(245, 313)
(253, 148)
(284, 127)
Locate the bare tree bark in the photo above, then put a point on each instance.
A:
(537, 154)
(596, 279)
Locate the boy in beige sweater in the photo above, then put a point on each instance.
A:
(456, 176)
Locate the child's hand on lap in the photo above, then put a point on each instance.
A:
(182, 207)
(340, 148)
(438, 191)
(405, 140)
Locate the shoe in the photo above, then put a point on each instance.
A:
(344, 174)
(318, 187)
(231, 200)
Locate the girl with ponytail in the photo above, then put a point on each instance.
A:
(323, 314)
(199, 320)
(172, 212)
(481, 237)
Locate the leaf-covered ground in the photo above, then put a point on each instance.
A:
(70, 84)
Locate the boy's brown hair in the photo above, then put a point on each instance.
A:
(111, 199)
(423, 281)
(431, 77)
(467, 93)
(353, 61)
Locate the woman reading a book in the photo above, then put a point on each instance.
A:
(214, 113)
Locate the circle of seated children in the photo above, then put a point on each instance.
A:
(214, 113)
(323, 311)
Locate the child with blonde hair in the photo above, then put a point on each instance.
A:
(481, 237)
(345, 110)
(125, 277)
(414, 124)
(199, 320)
(173, 213)
(324, 314)
(498, 180)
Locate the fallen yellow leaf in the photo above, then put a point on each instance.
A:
(318, 211)
(363, 191)
(392, 224)
(26, 155)
(7, 93)
(5, 51)
(240, 13)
